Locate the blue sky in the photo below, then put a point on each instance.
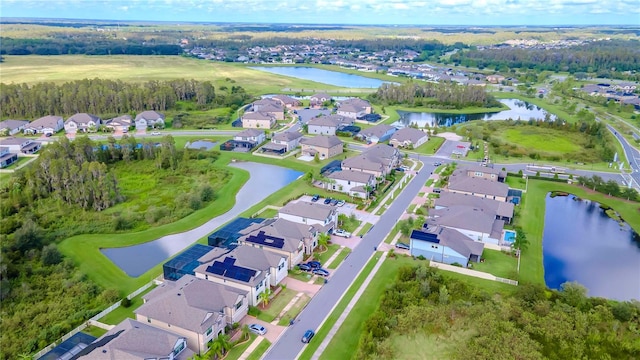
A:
(420, 12)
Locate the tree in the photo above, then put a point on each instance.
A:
(520, 241)
(245, 331)
(323, 240)
(28, 237)
(221, 345)
(264, 297)
(50, 255)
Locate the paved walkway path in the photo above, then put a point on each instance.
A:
(287, 308)
(251, 347)
(347, 310)
(469, 272)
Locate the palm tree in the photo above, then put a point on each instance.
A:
(221, 345)
(245, 331)
(323, 240)
(264, 297)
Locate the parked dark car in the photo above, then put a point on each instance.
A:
(403, 246)
(304, 267)
(308, 335)
(315, 198)
(334, 202)
(321, 272)
(327, 201)
(399, 169)
(314, 264)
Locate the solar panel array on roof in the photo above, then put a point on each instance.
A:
(419, 235)
(185, 263)
(229, 234)
(228, 269)
(266, 240)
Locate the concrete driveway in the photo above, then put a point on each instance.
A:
(301, 286)
(273, 331)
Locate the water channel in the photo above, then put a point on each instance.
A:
(263, 181)
(323, 76)
(581, 243)
(518, 109)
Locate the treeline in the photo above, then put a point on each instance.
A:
(473, 324)
(610, 187)
(603, 58)
(100, 96)
(89, 46)
(438, 95)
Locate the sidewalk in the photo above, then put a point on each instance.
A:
(347, 310)
(251, 347)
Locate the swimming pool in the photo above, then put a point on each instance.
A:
(509, 236)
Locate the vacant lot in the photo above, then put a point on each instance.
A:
(540, 139)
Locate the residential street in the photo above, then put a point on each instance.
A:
(289, 345)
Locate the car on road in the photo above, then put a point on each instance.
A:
(437, 163)
(154, 133)
(315, 198)
(321, 272)
(308, 335)
(341, 203)
(342, 233)
(327, 201)
(304, 267)
(404, 246)
(314, 264)
(258, 329)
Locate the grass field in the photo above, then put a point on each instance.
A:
(365, 228)
(431, 146)
(499, 264)
(239, 349)
(339, 258)
(94, 331)
(260, 350)
(118, 315)
(541, 139)
(325, 255)
(294, 310)
(516, 182)
(276, 305)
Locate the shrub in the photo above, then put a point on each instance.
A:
(254, 311)
(51, 255)
(126, 302)
(421, 257)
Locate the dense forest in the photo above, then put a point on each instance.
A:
(422, 305)
(603, 58)
(99, 96)
(84, 187)
(89, 46)
(437, 95)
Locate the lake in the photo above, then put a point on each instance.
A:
(264, 180)
(518, 109)
(581, 243)
(323, 76)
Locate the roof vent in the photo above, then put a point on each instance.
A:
(104, 351)
(179, 294)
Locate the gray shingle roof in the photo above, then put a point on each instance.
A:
(308, 210)
(12, 124)
(257, 116)
(362, 162)
(14, 141)
(136, 340)
(49, 121)
(250, 133)
(352, 175)
(378, 130)
(463, 217)
(501, 208)
(150, 115)
(287, 136)
(83, 118)
(190, 303)
(292, 233)
(478, 168)
(457, 241)
(408, 134)
(478, 186)
(322, 141)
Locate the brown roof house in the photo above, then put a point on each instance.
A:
(318, 100)
(47, 125)
(287, 101)
(269, 106)
(82, 122)
(194, 308)
(408, 138)
(137, 340)
(324, 146)
(258, 120)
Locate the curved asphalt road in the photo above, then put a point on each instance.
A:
(289, 344)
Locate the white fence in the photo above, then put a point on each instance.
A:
(95, 318)
(507, 281)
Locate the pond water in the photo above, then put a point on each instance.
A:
(518, 109)
(263, 181)
(581, 243)
(324, 76)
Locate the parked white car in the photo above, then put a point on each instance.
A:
(342, 233)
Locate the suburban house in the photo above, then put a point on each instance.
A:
(445, 246)
(194, 308)
(119, 124)
(378, 160)
(18, 145)
(475, 223)
(287, 101)
(495, 79)
(246, 268)
(324, 146)
(47, 125)
(355, 183)
(12, 127)
(303, 212)
(318, 100)
(482, 172)
(81, 122)
(282, 237)
(133, 339)
(408, 138)
(377, 134)
(502, 209)
(328, 124)
(350, 110)
(7, 157)
(358, 103)
(478, 187)
(249, 138)
(258, 120)
(283, 142)
(149, 119)
(269, 106)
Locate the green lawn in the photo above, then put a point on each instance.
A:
(430, 147)
(268, 213)
(516, 182)
(350, 224)
(276, 305)
(364, 229)
(300, 275)
(338, 260)
(325, 255)
(390, 236)
(21, 160)
(499, 264)
(118, 315)
(541, 139)
(259, 350)
(94, 331)
(429, 182)
(239, 349)
(294, 310)
(440, 347)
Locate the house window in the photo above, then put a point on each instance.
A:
(478, 173)
(349, 182)
(209, 331)
(493, 176)
(238, 305)
(178, 349)
(149, 320)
